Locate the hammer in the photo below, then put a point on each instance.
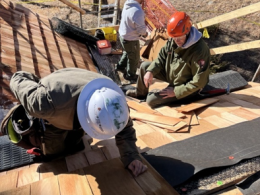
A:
(217, 91)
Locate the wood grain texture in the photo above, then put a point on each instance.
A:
(50, 169)
(231, 15)
(27, 176)
(8, 181)
(74, 183)
(140, 107)
(46, 186)
(170, 128)
(197, 104)
(76, 161)
(95, 156)
(153, 183)
(218, 121)
(151, 117)
(155, 139)
(24, 190)
(111, 177)
(168, 111)
(143, 129)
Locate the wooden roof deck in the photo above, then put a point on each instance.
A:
(28, 43)
(98, 170)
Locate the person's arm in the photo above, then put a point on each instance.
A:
(31, 94)
(200, 71)
(139, 23)
(125, 141)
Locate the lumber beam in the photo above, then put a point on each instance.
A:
(235, 47)
(231, 15)
(73, 6)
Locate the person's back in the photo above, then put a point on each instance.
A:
(54, 97)
(132, 21)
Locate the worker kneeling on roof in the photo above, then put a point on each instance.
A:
(57, 110)
(183, 63)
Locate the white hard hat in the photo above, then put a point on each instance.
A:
(102, 109)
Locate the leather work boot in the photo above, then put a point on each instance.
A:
(133, 93)
(132, 79)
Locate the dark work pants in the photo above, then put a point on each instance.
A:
(131, 56)
(153, 99)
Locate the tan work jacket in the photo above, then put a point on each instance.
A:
(54, 98)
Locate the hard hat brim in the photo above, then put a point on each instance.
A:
(85, 94)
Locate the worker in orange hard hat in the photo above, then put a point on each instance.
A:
(178, 27)
(183, 62)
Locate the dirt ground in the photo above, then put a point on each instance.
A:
(238, 30)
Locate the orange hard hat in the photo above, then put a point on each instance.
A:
(179, 24)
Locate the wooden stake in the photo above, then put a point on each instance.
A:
(236, 47)
(231, 15)
(73, 6)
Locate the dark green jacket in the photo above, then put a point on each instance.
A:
(187, 70)
(54, 98)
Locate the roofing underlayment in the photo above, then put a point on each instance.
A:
(28, 43)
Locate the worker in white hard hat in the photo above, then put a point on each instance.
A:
(72, 102)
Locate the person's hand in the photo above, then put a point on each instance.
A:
(137, 167)
(148, 79)
(167, 92)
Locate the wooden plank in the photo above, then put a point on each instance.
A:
(153, 183)
(111, 177)
(155, 139)
(52, 168)
(2, 173)
(95, 156)
(204, 127)
(27, 176)
(74, 183)
(152, 117)
(243, 113)
(223, 107)
(8, 181)
(108, 147)
(73, 6)
(17, 169)
(39, 52)
(162, 131)
(218, 121)
(87, 60)
(24, 190)
(76, 161)
(53, 51)
(46, 186)
(230, 15)
(197, 104)
(143, 129)
(194, 119)
(141, 146)
(235, 47)
(169, 128)
(248, 106)
(168, 111)
(140, 107)
(232, 118)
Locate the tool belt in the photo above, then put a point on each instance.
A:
(23, 130)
